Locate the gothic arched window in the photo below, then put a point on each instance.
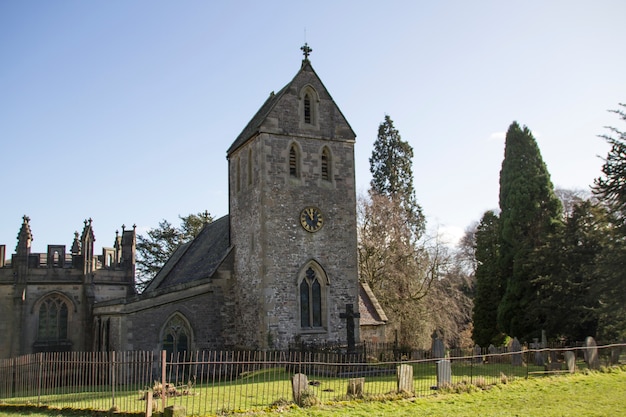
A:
(312, 298)
(176, 336)
(53, 318)
(326, 165)
(294, 162)
(307, 108)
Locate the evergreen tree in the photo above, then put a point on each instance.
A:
(530, 213)
(154, 249)
(392, 173)
(568, 302)
(611, 190)
(612, 187)
(489, 285)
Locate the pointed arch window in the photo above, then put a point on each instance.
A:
(326, 165)
(53, 319)
(307, 108)
(294, 162)
(176, 336)
(312, 299)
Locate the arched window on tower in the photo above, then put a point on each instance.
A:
(294, 162)
(312, 298)
(326, 165)
(307, 108)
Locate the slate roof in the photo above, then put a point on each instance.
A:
(198, 259)
(372, 314)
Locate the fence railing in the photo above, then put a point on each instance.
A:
(213, 382)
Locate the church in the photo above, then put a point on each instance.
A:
(280, 268)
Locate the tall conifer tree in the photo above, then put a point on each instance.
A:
(392, 173)
(530, 213)
(489, 286)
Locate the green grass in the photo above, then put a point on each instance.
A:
(580, 395)
(593, 394)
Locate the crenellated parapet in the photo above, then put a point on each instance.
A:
(79, 260)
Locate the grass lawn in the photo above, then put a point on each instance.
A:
(594, 394)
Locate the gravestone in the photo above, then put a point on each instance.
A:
(299, 386)
(570, 361)
(492, 350)
(516, 358)
(615, 354)
(444, 373)
(350, 315)
(438, 349)
(539, 357)
(478, 355)
(355, 387)
(405, 378)
(591, 353)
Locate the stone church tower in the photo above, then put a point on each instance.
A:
(293, 216)
(281, 267)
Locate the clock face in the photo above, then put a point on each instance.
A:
(311, 219)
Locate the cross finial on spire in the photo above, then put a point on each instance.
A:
(306, 50)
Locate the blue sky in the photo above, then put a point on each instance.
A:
(122, 111)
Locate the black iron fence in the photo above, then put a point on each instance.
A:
(214, 382)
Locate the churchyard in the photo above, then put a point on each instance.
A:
(208, 383)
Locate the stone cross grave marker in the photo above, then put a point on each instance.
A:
(350, 315)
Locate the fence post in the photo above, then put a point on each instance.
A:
(40, 379)
(163, 389)
(112, 368)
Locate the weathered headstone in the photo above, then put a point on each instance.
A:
(492, 350)
(615, 355)
(355, 387)
(570, 361)
(438, 348)
(516, 358)
(350, 315)
(539, 358)
(478, 355)
(591, 353)
(405, 378)
(444, 373)
(299, 386)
